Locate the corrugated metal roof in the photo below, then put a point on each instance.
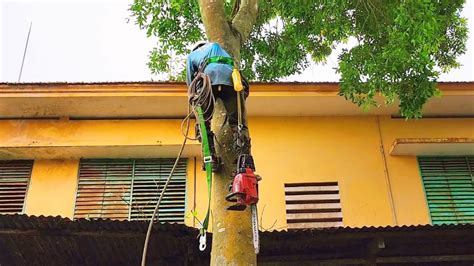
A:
(372, 229)
(40, 240)
(26, 240)
(62, 83)
(23, 221)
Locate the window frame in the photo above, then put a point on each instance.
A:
(468, 159)
(129, 194)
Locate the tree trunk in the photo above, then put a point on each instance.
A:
(232, 242)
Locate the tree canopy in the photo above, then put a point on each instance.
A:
(402, 45)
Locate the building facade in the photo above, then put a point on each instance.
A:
(103, 150)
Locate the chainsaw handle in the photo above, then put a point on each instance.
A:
(231, 196)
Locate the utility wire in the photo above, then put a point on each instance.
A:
(150, 225)
(24, 52)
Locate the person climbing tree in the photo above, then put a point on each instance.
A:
(216, 64)
(211, 73)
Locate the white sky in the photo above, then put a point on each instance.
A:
(89, 41)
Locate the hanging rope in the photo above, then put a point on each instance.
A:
(155, 211)
(200, 95)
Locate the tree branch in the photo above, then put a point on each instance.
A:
(214, 20)
(235, 8)
(245, 19)
(218, 29)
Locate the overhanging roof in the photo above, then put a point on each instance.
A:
(97, 151)
(432, 146)
(43, 240)
(169, 99)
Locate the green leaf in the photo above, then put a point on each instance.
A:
(403, 45)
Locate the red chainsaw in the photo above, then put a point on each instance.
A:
(244, 187)
(244, 192)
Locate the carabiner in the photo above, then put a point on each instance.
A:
(202, 242)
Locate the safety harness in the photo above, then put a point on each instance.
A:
(199, 94)
(221, 60)
(207, 158)
(243, 190)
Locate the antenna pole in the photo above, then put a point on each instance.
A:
(24, 52)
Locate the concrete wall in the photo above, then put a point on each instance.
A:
(286, 149)
(52, 188)
(407, 188)
(345, 150)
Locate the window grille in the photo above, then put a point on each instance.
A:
(449, 189)
(313, 205)
(129, 189)
(14, 179)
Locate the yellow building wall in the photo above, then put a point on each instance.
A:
(286, 150)
(89, 132)
(52, 188)
(57, 179)
(319, 149)
(407, 188)
(347, 150)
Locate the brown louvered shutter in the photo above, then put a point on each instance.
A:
(103, 189)
(313, 205)
(14, 179)
(149, 178)
(129, 189)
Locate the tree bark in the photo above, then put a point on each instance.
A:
(245, 18)
(232, 242)
(232, 230)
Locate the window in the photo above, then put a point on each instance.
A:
(313, 205)
(14, 179)
(129, 189)
(448, 183)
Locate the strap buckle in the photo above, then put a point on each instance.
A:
(207, 159)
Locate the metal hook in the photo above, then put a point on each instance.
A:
(202, 242)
